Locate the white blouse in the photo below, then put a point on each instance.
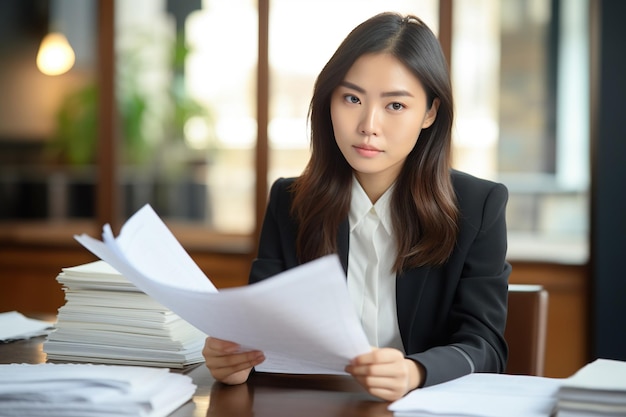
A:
(371, 280)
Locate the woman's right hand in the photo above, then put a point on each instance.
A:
(226, 363)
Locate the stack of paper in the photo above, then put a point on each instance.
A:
(107, 319)
(596, 390)
(482, 395)
(86, 390)
(302, 319)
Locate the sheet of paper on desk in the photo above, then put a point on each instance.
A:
(482, 395)
(302, 319)
(15, 326)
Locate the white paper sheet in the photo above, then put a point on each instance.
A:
(600, 375)
(482, 395)
(302, 319)
(15, 326)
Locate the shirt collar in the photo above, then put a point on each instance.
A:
(360, 205)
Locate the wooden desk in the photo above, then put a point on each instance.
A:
(265, 395)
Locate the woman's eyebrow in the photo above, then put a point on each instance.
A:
(351, 86)
(395, 93)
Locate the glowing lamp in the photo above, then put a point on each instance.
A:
(55, 56)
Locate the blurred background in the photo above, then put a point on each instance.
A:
(197, 106)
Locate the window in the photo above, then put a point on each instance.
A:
(187, 94)
(520, 75)
(194, 70)
(222, 76)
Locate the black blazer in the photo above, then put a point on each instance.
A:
(452, 317)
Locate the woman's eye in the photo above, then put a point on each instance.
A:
(396, 106)
(352, 99)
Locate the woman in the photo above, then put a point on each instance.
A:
(423, 246)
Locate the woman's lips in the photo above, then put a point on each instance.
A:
(367, 151)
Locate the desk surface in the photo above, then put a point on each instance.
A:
(264, 395)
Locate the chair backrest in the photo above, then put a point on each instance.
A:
(526, 328)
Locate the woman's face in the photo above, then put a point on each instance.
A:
(378, 112)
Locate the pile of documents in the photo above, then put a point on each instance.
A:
(63, 390)
(597, 390)
(107, 319)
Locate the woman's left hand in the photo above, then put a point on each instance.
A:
(386, 373)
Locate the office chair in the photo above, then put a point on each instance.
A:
(526, 328)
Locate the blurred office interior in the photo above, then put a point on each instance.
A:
(197, 106)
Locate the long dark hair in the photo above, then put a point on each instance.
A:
(423, 205)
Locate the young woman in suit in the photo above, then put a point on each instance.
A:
(423, 245)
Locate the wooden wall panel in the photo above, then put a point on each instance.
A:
(28, 277)
(224, 270)
(28, 274)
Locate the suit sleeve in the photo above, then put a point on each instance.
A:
(277, 240)
(477, 314)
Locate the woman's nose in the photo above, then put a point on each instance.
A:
(369, 124)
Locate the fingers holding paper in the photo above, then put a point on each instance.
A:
(227, 363)
(386, 373)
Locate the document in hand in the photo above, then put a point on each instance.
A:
(62, 390)
(302, 319)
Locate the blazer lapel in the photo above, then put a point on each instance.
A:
(343, 244)
(409, 291)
